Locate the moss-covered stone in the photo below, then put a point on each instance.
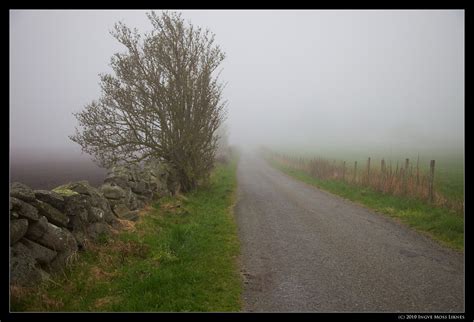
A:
(62, 190)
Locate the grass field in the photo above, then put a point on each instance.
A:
(449, 178)
(181, 256)
(441, 224)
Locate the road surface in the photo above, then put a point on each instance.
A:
(305, 250)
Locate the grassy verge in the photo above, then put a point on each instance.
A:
(442, 225)
(180, 256)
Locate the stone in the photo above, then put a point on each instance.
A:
(78, 223)
(100, 202)
(131, 200)
(150, 189)
(52, 198)
(112, 220)
(100, 210)
(14, 215)
(43, 255)
(93, 197)
(83, 203)
(120, 181)
(82, 187)
(119, 171)
(112, 192)
(133, 175)
(96, 215)
(139, 187)
(122, 171)
(120, 209)
(23, 267)
(24, 209)
(18, 229)
(22, 192)
(38, 229)
(63, 191)
(54, 216)
(143, 198)
(123, 212)
(131, 215)
(63, 259)
(84, 196)
(50, 235)
(76, 205)
(161, 190)
(96, 229)
(114, 202)
(160, 194)
(109, 216)
(81, 239)
(140, 203)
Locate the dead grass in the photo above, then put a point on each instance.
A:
(106, 301)
(175, 207)
(50, 303)
(99, 274)
(405, 179)
(125, 225)
(18, 292)
(129, 248)
(71, 259)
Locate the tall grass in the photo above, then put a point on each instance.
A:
(409, 179)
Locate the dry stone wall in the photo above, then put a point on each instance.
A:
(48, 228)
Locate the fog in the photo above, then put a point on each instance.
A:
(344, 80)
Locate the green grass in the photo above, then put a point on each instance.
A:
(441, 224)
(449, 179)
(181, 256)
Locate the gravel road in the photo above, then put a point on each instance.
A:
(304, 250)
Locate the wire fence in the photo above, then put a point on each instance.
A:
(400, 179)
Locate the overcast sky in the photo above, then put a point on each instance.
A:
(374, 79)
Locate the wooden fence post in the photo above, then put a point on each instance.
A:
(431, 181)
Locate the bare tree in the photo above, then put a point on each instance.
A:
(163, 102)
